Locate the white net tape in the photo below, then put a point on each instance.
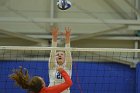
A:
(120, 55)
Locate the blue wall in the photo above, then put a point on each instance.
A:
(103, 78)
(138, 78)
(88, 77)
(35, 68)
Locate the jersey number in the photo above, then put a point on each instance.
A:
(58, 75)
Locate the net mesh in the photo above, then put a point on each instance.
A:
(94, 70)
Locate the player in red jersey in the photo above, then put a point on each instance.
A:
(36, 84)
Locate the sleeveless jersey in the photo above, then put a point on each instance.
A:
(56, 78)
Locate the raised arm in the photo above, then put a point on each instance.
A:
(67, 36)
(61, 87)
(54, 31)
(67, 44)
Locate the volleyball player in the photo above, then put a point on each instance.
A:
(60, 58)
(36, 84)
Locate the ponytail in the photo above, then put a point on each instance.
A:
(22, 79)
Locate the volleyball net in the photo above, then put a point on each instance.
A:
(94, 70)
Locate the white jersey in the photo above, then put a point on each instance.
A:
(56, 78)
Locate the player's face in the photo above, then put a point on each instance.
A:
(60, 58)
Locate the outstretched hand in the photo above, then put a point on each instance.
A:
(54, 31)
(67, 34)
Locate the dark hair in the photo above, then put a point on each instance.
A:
(22, 79)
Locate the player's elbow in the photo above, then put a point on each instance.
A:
(70, 83)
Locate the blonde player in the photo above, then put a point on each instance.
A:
(59, 59)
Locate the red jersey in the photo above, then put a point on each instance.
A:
(58, 88)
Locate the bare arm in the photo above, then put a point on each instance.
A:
(68, 52)
(54, 31)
